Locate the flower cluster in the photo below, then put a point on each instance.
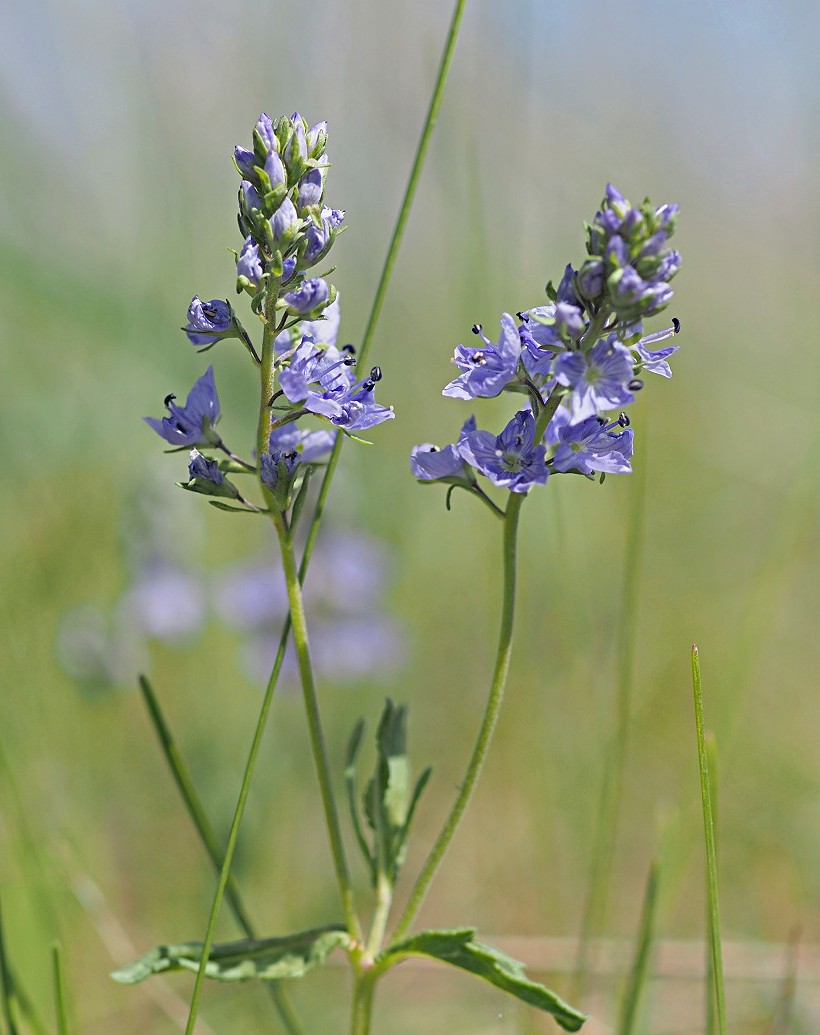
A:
(578, 359)
(288, 230)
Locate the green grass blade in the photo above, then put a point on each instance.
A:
(207, 836)
(640, 965)
(6, 985)
(59, 989)
(715, 989)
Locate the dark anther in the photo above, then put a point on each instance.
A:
(168, 399)
(376, 374)
(476, 328)
(369, 385)
(478, 358)
(521, 316)
(623, 419)
(601, 421)
(209, 310)
(676, 324)
(349, 361)
(635, 385)
(349, 348)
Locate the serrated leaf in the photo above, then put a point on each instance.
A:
(459, 948)
(266, 959)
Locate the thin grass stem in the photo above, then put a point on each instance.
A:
(6, 984)
(717, 988)
(640, 965)
(207, 836)
(61, 1008)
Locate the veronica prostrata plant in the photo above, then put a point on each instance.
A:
(575, 363)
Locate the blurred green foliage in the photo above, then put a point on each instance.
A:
(118, 205)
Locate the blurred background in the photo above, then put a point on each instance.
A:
(118, 122)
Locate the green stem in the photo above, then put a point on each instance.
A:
(362, 1009)
(384, 900)
(485, 733)
(711, 852)
(203, 827)
(317, 739)
(415, 174)
(59, 990)
(6, 984)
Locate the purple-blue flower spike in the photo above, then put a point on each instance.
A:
(193, 423)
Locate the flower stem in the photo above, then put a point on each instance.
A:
(263, 431)
(317, 738)
(485, 733)
(362, 1008)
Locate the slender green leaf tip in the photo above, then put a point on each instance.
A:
(459, 948)
(266, 959)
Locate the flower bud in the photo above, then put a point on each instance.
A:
(310, 295)
(249, 265)
(277, 471)
(284, 223)
(311, 188)
(208, 322)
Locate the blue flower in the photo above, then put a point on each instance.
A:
(511, 460)
(193, 423)
(351, 407)
(590, 445)
(598, 378)
(209, 321)
(318, 239)
(276, 469)
(324, 329)
(249, 265)
(311, 365)
(284, 222)
(310, 446)
(486, 372)
(310, 295)
(655, 361)
(311, 187)
(202, 467)
(428, 463)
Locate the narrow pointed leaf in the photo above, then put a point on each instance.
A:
(459, 948)
(351, 785)
(267, 959)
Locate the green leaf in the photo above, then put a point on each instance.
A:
(354, 746)
(231, 510)
(267, 959)
(459, 948)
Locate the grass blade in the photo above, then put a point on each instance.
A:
(59, 989)
(715, 990)
(203, 827)
(640, 964)
(6, 985)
